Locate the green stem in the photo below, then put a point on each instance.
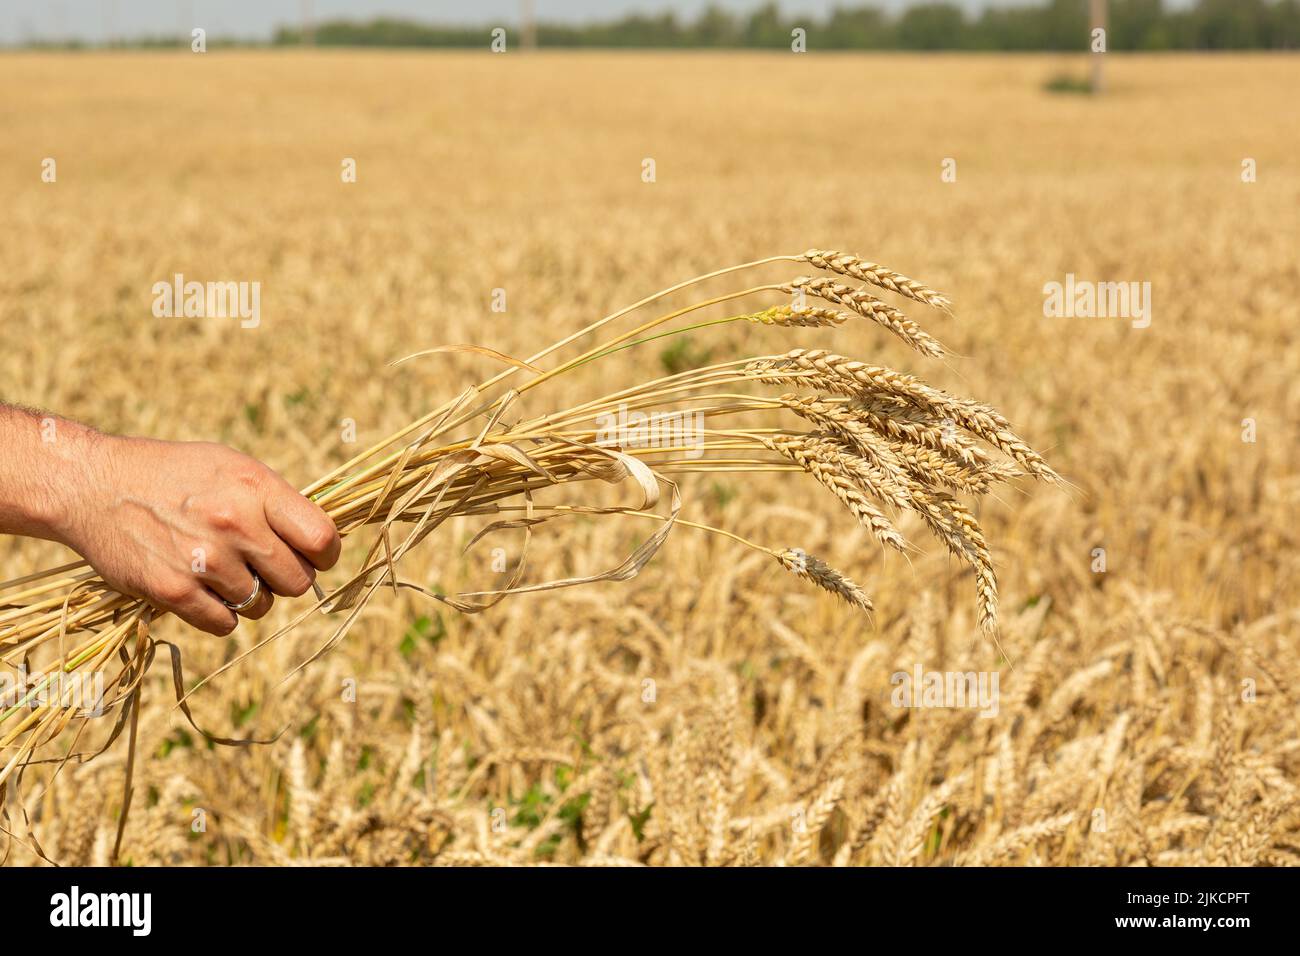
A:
(651, 338)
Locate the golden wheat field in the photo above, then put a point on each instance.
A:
(713, 709)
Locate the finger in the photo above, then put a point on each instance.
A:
(205, 611)
(283, 570)
(303, 526)
(228, 575)
(196, 606)
(238, 593)
(259, 608)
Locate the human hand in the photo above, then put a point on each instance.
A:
(183, 525)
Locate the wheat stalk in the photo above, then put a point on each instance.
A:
(891, 443)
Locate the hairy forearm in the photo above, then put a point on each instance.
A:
(50, 468)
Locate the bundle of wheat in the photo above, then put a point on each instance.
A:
(879, 439)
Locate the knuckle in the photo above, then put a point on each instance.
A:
(174, 591)
(250, 476)
(248, 472)
(298, 584)
(224, 518)
(321, 537)
(234, 466)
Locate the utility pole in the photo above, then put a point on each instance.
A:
(1097, 14)
(527, 25)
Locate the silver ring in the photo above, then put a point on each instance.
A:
(257, 592)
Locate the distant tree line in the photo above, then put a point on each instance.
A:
(1055, 25)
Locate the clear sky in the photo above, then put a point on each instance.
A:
(94, 20)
